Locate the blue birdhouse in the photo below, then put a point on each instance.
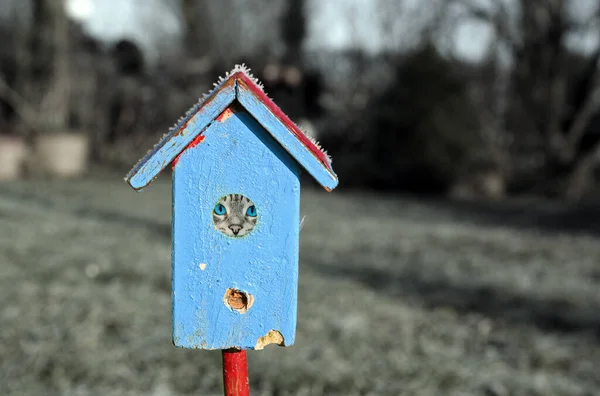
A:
(236, 162)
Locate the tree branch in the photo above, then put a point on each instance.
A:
(580, 177)
(19, 105)
(588, 108)
(499, 19)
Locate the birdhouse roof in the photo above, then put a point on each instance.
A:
(237, 86)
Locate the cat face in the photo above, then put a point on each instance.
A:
(234, 215)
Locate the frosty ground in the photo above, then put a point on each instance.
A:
(396, 296)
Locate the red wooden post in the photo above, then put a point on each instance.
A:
(235, 373)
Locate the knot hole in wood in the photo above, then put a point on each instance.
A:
(238, 300)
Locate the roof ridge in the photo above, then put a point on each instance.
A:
(239, 74)
(242, 68)
(238, 68)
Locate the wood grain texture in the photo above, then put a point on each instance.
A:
(237, 156)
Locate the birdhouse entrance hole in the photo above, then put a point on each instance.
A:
(238, 300)
(234, 215)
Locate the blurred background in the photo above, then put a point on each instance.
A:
(459, 255)
(470, 98)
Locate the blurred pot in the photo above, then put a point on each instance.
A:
(481, 185)
(13, 152)
(62, 155)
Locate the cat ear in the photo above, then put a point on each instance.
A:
(302, 223)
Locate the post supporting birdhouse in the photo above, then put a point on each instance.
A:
(235, 373)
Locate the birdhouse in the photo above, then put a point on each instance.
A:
(236, 160)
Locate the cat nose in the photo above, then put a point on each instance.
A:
(235, 228)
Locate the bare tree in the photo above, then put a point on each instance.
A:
(49, 40)
(545, 73)
(293, 28)
(229, 29)
(199, 29)
(39, 91)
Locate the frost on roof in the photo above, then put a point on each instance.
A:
(241, 68)
(194, 109)
(238, 68)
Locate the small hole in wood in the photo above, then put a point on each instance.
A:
(238, 300)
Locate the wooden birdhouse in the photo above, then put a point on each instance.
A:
(236, 162)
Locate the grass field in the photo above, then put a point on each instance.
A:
(396, 296)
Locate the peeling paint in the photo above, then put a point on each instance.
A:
(197, 140)
(225, 115)
(181, 126)
(202, 266)
(216, 105)
(272, 337)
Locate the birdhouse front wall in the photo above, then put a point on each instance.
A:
(231, 290)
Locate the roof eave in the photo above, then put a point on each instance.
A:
(241, 87)
(173, 143)
(319, 168)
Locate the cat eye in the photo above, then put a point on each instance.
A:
(220, 210)
(251, 211)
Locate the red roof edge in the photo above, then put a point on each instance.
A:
(285, 120)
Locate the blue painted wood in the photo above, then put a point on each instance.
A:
(172, 144)
(281, 134)
(237, 156)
